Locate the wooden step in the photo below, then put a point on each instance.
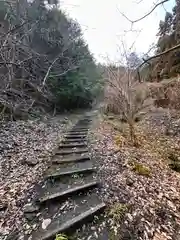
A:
(72, 151)
(72, 145)
(74, 158)
(67, 192)
(64, 172)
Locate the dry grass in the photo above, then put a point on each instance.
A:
(141, 169)
(117, 211)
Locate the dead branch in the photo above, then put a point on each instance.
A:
(153, 57)
(146, 15)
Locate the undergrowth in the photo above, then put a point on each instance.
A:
(141, 169)
(174, 159)
(118, 211)
(61, 237)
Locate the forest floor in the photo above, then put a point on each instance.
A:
(26, 148)
(140, 188)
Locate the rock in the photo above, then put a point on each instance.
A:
(46, 223)
(32, 161)
(93, 228)
(30, 208)
(171, 205)
(130, 217)
(30, 211)
(111, 117)
(3, 207)
(129, 182)
(30, 216)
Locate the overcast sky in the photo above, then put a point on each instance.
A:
(103, 25)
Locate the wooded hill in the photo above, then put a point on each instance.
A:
(168, 64)
(45, 64)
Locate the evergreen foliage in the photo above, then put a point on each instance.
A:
(167, 65)
(45, 61)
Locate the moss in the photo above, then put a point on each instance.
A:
(61, 237)
(173, 156)
(113, 236)
(119, 140)
(118, 211)
(174, 161)
(141, 169)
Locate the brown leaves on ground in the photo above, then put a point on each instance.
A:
(154, 200)
(25, 150)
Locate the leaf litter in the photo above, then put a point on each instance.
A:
(153, 198)
(26, 148)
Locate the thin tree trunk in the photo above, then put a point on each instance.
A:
(133, 134)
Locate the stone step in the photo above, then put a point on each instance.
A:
(69, 191)
(81, 127)
(60, 173)
(72, 151)
(73, 136)
(78, 128)
(87, 120)
(70, 215)
(73, 158)
(77, 132)
(72, 145)
(69, 166)
(74, 141)
(69, 169)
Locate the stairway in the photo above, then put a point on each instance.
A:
(68, 195)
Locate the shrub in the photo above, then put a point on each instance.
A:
(141, 169)
(174, 161)
(61, 237)
(120, 141)
(118, 211)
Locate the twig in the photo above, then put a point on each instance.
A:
(155, 56)
(146, 15)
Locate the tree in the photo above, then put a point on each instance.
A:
(44, 59)
(165, 63)
(133, 60)
(125, 96)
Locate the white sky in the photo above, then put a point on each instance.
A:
(103, 25)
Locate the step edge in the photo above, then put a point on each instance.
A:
(69, 152)
(75, 136)
(70, 223)
(73, 140)
(72, 145)
(72, 160)
(67, 191)
(71, 172)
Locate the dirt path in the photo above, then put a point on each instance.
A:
(55, 194)
(67, 197)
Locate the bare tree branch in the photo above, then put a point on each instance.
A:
(159, 54)
(146, 15)
(153, 57)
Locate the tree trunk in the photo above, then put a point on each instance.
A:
(133, 134)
